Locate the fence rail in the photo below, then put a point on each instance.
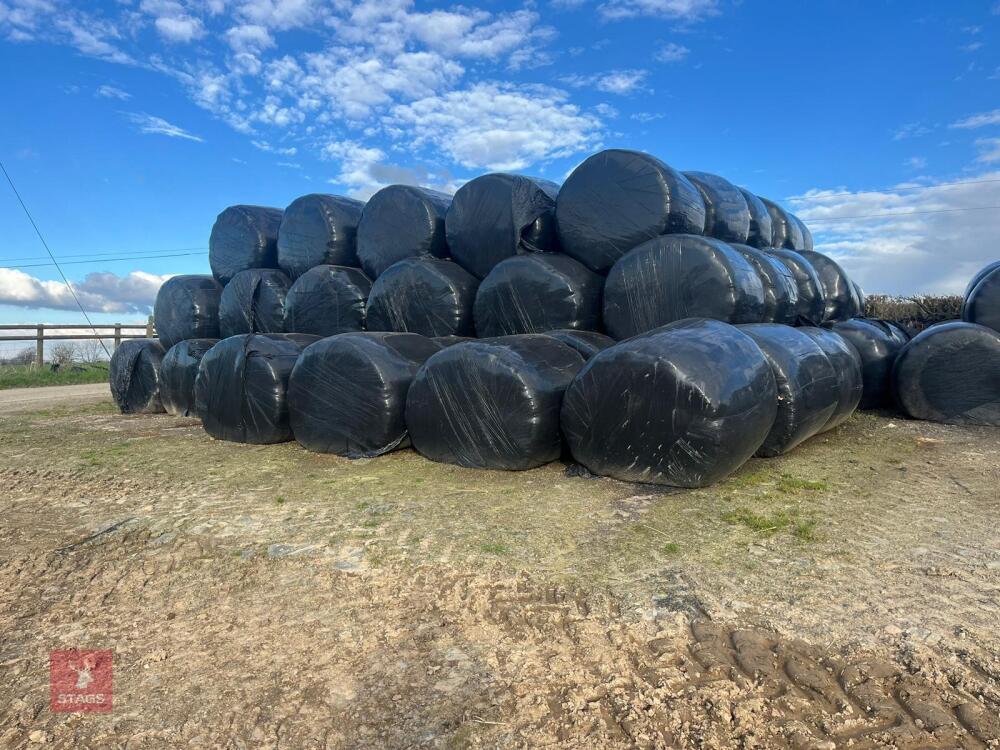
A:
(116, 331)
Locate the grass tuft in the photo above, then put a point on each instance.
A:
(760, 523)
(788, 483)
(28, 376)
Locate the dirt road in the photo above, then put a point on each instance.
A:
(15, 400)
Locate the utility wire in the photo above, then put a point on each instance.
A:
(902, 213)
(105, 260)
(53, 257)
(104, 253)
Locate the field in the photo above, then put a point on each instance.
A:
(28, 376)
(846, 595)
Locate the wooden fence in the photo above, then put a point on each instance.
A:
(116, 331)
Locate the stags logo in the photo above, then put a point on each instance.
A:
(80, 681)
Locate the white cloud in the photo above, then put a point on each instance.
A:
(279, 14)
(110, 92)
(179, 28)
(98, 292)
(620, 82)
(249, 37)
(910, 130)
(989, 150)
(682, 10)
(978, 121)
(646, 116)
(364, 171)
(672, 52)
(282, 150)
(152, 125)
(915, 162)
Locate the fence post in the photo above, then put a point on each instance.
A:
(118, 335)
(149, 327)
(40, 346)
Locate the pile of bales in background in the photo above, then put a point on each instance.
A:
(649, 324)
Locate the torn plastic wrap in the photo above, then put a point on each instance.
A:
(982, 303)
(538, 293)
(586, 343)
(780, 232)
(318, 230)
(781, 292)
(177, 375)
(877, 343)
(759, 235)
(497, 216)
(811, 306)
(428, 296)
(134, 376)
(253, 302)
(979, 276)
(680, 276)
(847, 364)
(327, 300)
(243, 237)
(840, 296)
(684, 405)
(347, 394)
(808, 387)
(492, 403)
(401, 221)
(240, 391)
(187, 307)
(950, 373)
(727, 216)
(618, 199)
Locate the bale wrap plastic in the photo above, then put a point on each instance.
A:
(586, 343)
(979, 276)
(811, 306)
(847, 364)
(187, 307)
(401, 221)
(781, 292)
(780, 231)
(318, 230)
(878, 343)
(727, 216)
(759, 235)
(428, 296)
(327, 300)
(840, 296)
(243, 237)
(253, 302)
(982, 303)
(807, 238)
(134, 376)
(178, 372)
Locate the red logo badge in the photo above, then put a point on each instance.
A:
(80, 681)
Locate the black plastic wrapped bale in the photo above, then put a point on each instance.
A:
(759, 235)
(254, 302)
(979, 276)
(781, 292)
(492, 403)
(847, 363)
(618, 199)
(680, 276)
(727, 216)
(134, 376)
(586, 343)
(878, 343)
(347, 394)
(187, 307)
(243, 237)
(811, 306)
(950, 373)
(684, 405)
(429, 296)
(982, 304)
(401, 221)
(808, 387)
(496, 216)
(241, 388)
(807, 237)
(538, 293)
(781, 233)
(318, 230)
(444, 341)
(177, 375)
(840, 296)
(327, 300)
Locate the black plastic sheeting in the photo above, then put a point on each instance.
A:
(187, 307)
(429, 296)
(680, 276)
(492, 403)
(347, 394)
(807, 237)
(759, 235)
(781, 292)
(178, 373)
(254, 302)
(444, 341)
(861, 297)
(808, 387)
(538, 293)
(794, 239)
(727, 216)
(586, 343)
(243, 237)
(979, 276)
(779, 223)
(318, 230)
(982, 303)
(811, 306)
(496, 216)
(950, 373)
(684, 405)
(847, 364)
(877, 343)
(401, 221)
(840, 295)
(134, 376)
(618, 199)
(327, 300)
(241, 388)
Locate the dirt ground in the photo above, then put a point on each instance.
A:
(844, 596)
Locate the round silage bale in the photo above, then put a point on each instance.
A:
(429, 296)
(401, 221)
(781, 292)
(618, 199)
(782, 231)
(347, 394)
(727, 216)
(318, 230)
(496, 216)
(811, 306)
(243, 237)
(759, 235)
(979, 276)
(807, 238)
(586, 343)
(492, 403)
(178, 372)
(187, 307)
(253, 302)
(444, 341)
(840, 296)
(877, 343)
(684, 405)
(982, 303)
(134, 376)
(327, 300)
(680, 276)
(537, 293)
(847, 363)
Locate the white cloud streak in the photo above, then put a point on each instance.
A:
(152, 125)
(98, 292)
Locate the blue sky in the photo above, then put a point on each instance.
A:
(129, 125)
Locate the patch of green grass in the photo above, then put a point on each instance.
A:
(280, 499)
(759, 522)
(750, 479)
(28, 376)
(788, 483)
(806, 530)
(495, 548)
(670, 548)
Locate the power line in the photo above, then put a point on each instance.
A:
(54, 262)
(889, 191)
(901, 213)
(105, 260)
(113, 253)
